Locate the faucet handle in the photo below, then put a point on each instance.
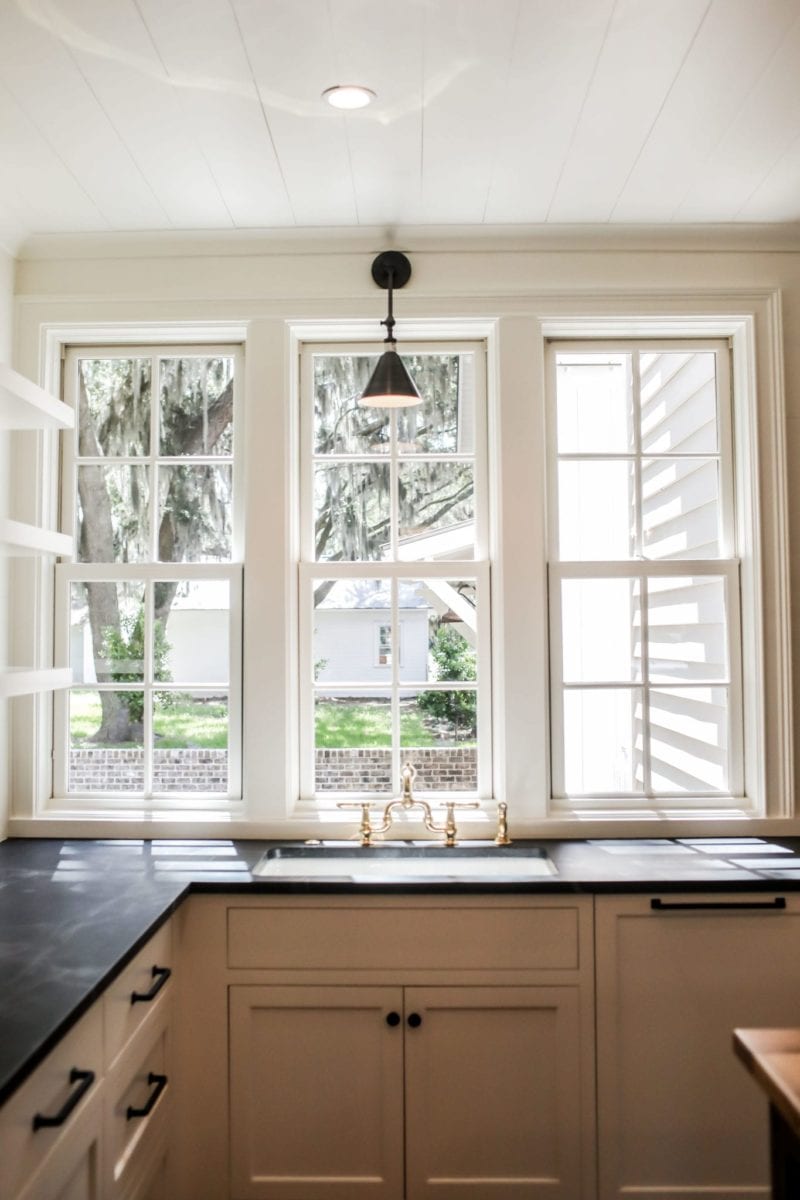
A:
(365, 830)
(450, 830)
(502, 838)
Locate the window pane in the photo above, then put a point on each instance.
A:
(107, 635)
(114, 407)
(600, 740)
(680, 508)
(191, 631)
(437, 510)
(351, 512)
(595, 510)
(594, 403)
(190, 736)
(444, 423)
(196, 405)
(601, 630)
(438, 736)
(353, 738)
(440, 620)
(106, 751)
(341, 426)
(348, 617)
(687, 621)
(194, 513)
(113, 514)
(689, 739)
(679, 403)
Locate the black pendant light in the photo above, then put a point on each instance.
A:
(390, 384)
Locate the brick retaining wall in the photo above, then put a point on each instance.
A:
(108, 770)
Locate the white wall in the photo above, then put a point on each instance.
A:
(521, 278)
(6, 309)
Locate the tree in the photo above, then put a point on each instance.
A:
(196, 407)
(454, 659)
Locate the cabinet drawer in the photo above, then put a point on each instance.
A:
(147, 975)
(48, 1092)
(138, 1100)
(522, 937)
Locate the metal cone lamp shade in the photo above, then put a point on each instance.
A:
(390, 384)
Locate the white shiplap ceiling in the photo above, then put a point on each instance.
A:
(206, 114)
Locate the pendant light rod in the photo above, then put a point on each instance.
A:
(390, 385)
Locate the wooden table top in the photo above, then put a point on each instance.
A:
(772, 1056)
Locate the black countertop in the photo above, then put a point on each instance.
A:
(73, 913)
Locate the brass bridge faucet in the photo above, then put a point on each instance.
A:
(406, 802)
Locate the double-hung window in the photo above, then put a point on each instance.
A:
(393, 577)
(148, 614)
(645, 639)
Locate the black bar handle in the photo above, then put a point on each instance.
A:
(160, 1082)
(84, 1080)
(771, 905)
(160, 975)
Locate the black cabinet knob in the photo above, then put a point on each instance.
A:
(414, 1020)
(393, 1018)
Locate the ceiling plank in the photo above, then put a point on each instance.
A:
(730, 54)
(643, 52)
(207, 64)
(556, 50)
(761, 131)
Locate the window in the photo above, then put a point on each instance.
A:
(393, 541)
(645, 636)
(149, 613)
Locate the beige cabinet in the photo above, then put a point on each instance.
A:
(88, 1124)
(333, 1088)
(406, 1049)
(678, 1117)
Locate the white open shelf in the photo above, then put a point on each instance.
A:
(18, 540)
(24, 682)
(24, 405)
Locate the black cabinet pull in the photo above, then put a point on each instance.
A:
(84, 1080)
(414, 1020)
(160, 1082)
(160, 975)
(770, 905)
(393, 1018)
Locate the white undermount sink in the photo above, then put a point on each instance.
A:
(405, 862)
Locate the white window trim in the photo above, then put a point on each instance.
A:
(329, 339)
(376, 645)
(515, 350)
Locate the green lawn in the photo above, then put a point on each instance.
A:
(189, 722)
(204, 724)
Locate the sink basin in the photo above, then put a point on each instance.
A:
(409, 863)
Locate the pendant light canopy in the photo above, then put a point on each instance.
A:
(390, 384)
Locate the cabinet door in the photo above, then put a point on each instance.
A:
(493, 1086)
(678, 1114)
(316, 1093)
(73, 1170)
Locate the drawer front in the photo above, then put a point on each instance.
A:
(49, 1092)
(138, 1102)
(145, 977)
(512, 938)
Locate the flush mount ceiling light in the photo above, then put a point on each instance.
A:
(390, 385)
(348, 95)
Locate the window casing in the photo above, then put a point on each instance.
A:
(393, 531)
(645, 631)
(149, 613)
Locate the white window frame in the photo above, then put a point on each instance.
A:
(148, 573)
(309, 571)
(758, 433)
(725, 566)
